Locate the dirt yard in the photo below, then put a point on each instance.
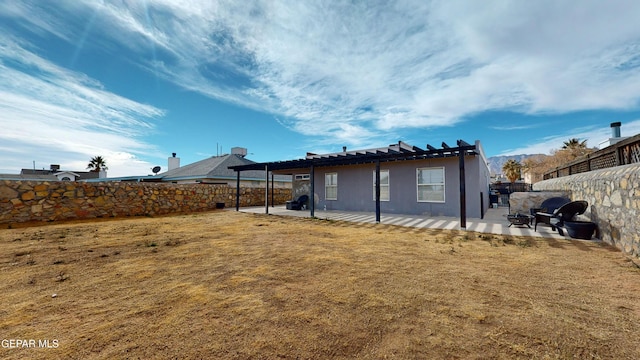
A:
(227, 285)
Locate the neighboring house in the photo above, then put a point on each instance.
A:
(412, 180)
(215, 170)
(212, 170)
(53, 174)
(28, 177)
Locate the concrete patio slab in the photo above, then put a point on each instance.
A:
(494, 222)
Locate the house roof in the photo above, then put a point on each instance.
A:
(28, 177)
(80, 174)
(393, 152)
(216, 167)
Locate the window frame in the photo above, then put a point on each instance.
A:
(387, 185)
(327, 185)
(443, 184)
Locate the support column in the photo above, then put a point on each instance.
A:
(272, 190)
(266, 189)
(463, 194)
(238, 191)
(378, 191)
(312, 199)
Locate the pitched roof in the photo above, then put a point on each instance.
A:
(216, 167)
(80, 174)
(28, 177)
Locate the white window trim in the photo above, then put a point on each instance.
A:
(302, 177)
(327, 186)
(444, 186)
(388, 186)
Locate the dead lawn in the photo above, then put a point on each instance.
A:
(229, 285)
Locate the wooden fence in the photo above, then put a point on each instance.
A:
(624, 152)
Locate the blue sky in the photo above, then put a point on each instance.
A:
(134, 81)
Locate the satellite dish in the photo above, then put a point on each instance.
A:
(156, 170)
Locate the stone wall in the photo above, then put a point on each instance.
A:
(614, 202)
(22, 201)
(523, 202)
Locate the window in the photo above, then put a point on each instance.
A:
(331, 186)
(384, 185)
(302, 177)
(430, 184)
(66, 178)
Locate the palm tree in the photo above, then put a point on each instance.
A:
(97, 164)
(511, 169)
(573, 149)
(574, 143)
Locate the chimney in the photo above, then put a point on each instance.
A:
(615, 129)
(239, 151)
(174, 162)
(344, 149)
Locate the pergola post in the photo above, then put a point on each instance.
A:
(463, 193)
(378, 191)
(266, 189)
(312, 199)
(238, 191)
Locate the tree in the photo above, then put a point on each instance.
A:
(97, 163)
(511, 169)
(574, 144)
(573, 149)
(536, 166)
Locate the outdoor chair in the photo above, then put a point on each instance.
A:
(564, 213)
(298, 204)
(547, 207)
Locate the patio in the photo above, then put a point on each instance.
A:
(494, 222)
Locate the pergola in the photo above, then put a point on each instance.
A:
(395, 152)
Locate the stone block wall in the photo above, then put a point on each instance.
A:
(614, 202)
(22, 201)
(523, 202)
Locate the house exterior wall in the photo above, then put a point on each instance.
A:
(355, 187)
(481, 186)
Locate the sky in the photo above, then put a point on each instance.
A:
(136, 80)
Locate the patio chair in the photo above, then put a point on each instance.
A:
(564, 213)
(547, 207)
(298, 204)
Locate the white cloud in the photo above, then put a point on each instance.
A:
(593, 135)
(355, 71)
(52, 115)
(405, 64)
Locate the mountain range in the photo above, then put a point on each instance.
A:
(496, 162)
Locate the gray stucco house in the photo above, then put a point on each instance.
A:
(397, 179)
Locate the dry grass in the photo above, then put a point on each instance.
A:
(229, 285)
